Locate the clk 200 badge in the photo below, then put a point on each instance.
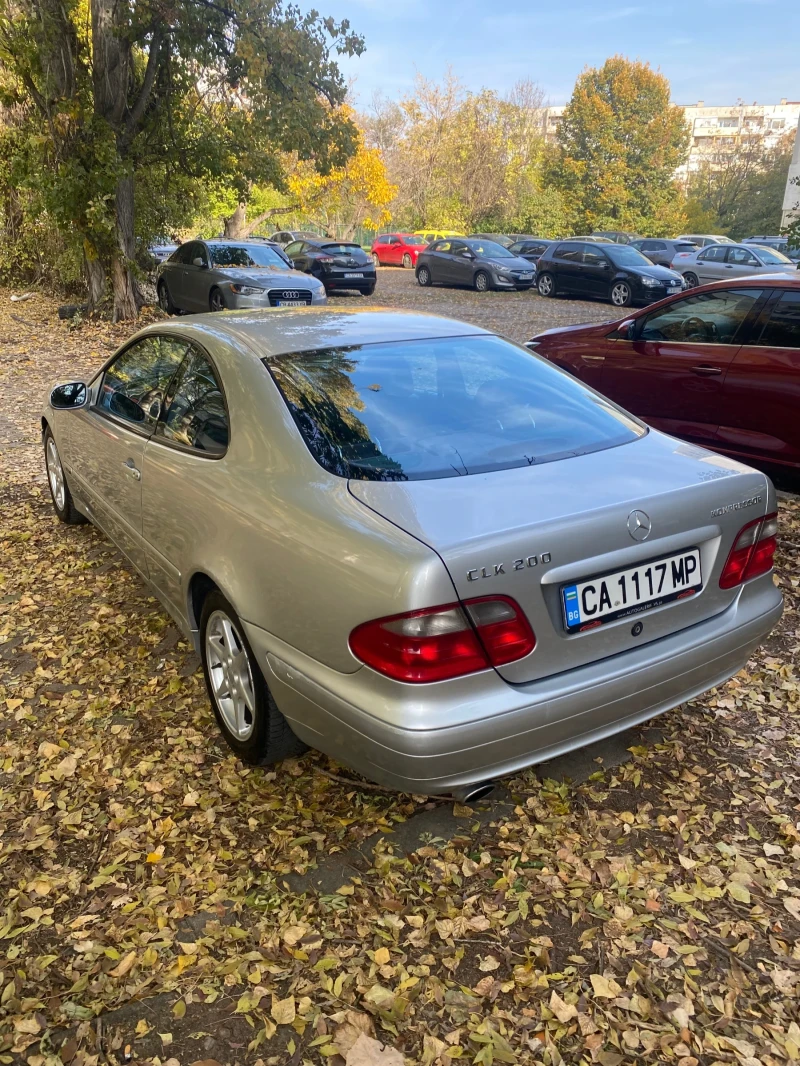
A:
(500, 568)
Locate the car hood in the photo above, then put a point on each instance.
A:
(659, 272)
(274, 275)
(515, 263)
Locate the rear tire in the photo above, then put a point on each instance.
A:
(691, 279)
(375, 259)
(63, 504)
(243, 705)
(481, 281)
(369, 291)
(621, 294)
(546, 285)
(216, 301)
(424, 277)
(165, 300)
(407, 261)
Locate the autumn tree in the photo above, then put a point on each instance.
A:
(116, 92)
(356, 194)
(620, 142)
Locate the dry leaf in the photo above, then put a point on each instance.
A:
(605, 987)
(284, 1011)
(382, 956)
(369, 1052)
(565, 1012)
(124, 966)
(488, 964)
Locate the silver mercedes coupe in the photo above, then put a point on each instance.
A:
(411, 543)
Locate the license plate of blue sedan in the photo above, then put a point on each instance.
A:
(622, 593)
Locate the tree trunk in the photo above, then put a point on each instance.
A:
(126, 291)
(236, 224)
(95, 278)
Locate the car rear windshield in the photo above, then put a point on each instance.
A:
(447, 407)
(342, 248)
(245, 255)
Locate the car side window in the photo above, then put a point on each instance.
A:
(195, 415)
(443, 246)
(742, 256)
(572, 252)
(294, 248)
(707, 318)
(458, 247)
(181, 254)
(592, 257)
(714, 253)
(658, 246)
(134, 386)
(782, 330)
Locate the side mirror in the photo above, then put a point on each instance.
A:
(625, 329)
(74, 394)
(198, 261)
(468, 255)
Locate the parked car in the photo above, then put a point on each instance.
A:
(483, 265)
(614, 272)
(779, 244)
(435, 235)
(616, 236)
(531, 248)
(161, 250)
(410, 543)
(218, 275)
(591, 237)
(498, 238)
(286, 237)
(337, 264)
(703, 239)
(397, 249)
(720, 262)
(660, 250)
(718, 366)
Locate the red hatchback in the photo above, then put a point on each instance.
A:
(397, 249)
(719, 365)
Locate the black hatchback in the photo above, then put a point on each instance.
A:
(614, 272)
(338, 264)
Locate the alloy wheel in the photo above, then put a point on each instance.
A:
(163, 298)
(375, 259)
(620, 295)
(230, 676)
(481, 282)
(691, 280)
(424, 276)
(545, 285)
(217, 303)
(407, 261)
(55, 474)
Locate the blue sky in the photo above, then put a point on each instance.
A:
(711, 50)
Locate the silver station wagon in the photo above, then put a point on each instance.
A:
(410, 543)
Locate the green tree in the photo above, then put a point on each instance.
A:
(620, 142)
(118, 93)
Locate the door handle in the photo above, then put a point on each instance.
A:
(706, 371)
(132, 470)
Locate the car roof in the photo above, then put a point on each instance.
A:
(282, 331)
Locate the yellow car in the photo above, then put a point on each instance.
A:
(435, 235)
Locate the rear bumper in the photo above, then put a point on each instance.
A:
(359, 284)
(432, 739)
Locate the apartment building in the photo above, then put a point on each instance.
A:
(791, 199)
(714, 129)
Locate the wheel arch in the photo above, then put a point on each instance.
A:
(199, 587)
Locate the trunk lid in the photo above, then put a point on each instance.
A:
(528, 532)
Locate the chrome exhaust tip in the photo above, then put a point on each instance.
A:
(471, 793)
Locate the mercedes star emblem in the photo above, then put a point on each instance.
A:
(639, 525)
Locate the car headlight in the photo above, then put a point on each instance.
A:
(246, 290)
(651, 283)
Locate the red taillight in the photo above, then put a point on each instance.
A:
(752, 553)
(438, 643)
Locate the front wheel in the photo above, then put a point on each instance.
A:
(165, 300)
(369, 291)
(621, 294)
(244, 707)
(692, 280)
(63, 503)
(546, 285)
(481, 281)
(407, 261)
(424, 277)
(216, 301)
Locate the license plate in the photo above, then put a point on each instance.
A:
(354, 275)
(291, 303)
(674, 288)
(525, 277)
(632, 591)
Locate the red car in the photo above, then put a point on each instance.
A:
(397, 249)
(719, 365)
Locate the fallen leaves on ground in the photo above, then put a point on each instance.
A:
(650, 914)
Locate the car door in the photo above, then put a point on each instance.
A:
(197, 282)
(710, 263)
(568, 261)
(596, 271)
(742, 263)
(180, 465)
(461, 263)
(107, 438)
(174, 273)
(761, 398)
(659, 253)
(439, 261)
(394, 251)
(646, 248)
(671, 371)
